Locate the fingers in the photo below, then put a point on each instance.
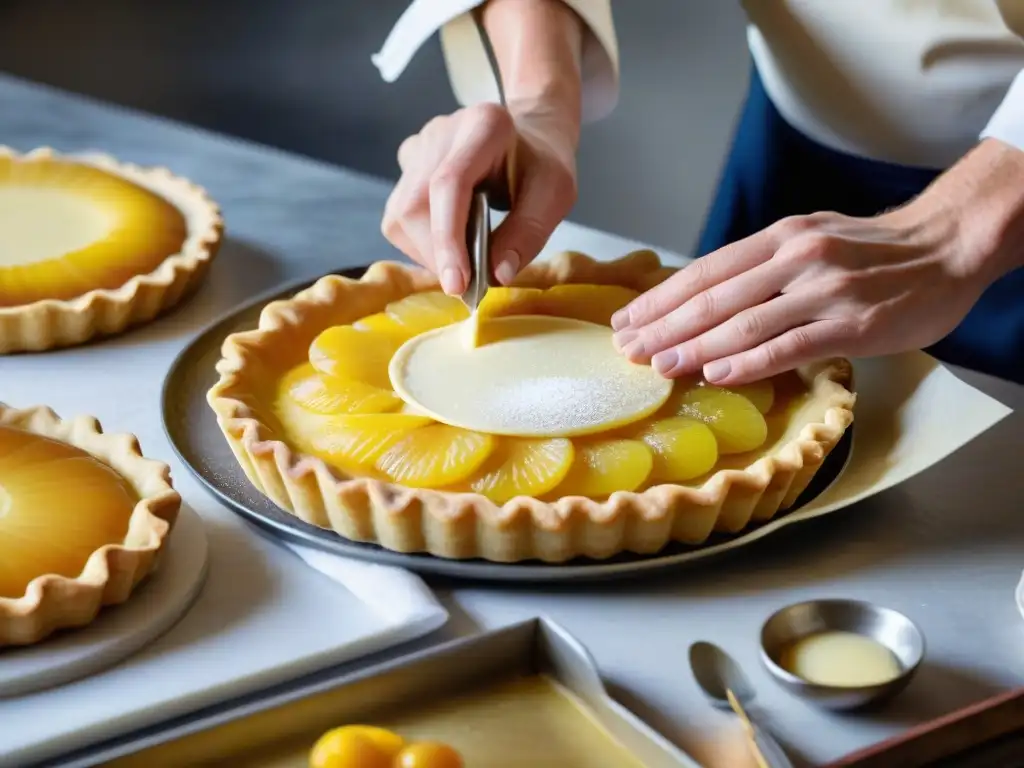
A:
(543, 200)
(479, 145)
(743, 331)
(797, 346)
(706, 310)
(426, 214)
(698, 276)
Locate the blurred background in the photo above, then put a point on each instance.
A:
(297, 75)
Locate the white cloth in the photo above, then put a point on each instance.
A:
(907, 81)
(394, 594)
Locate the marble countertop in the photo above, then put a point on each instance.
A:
(946, 547)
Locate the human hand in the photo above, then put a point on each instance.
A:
(427, 213)
(807, 288)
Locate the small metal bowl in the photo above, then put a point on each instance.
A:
(883, 625)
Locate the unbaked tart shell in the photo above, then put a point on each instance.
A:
(54, 323)
(467, 525)
(52, 602)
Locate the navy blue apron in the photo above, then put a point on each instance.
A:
(774, 171)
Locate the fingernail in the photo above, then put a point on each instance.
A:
(620, 319)
(622, 338)
(717, 370)
(507, 267)
(451, 281)
(665, 362)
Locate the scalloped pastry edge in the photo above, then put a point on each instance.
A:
(111, 573)
(466, 525)
(56, 323)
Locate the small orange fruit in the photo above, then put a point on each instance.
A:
(429, 754)
(356, 746)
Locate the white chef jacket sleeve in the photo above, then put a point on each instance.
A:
(466, 57)
(1007, 124)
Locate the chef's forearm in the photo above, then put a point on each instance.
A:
(537, 45)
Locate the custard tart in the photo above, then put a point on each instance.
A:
(380, 409)
(83, 519)
(90, 246)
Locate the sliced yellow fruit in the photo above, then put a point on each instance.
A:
(760, 393)
(737, 424)
(422, 312)
(523, 467)
(359, 441)
(502, 302)
(593, 303)
(329, 395)
(435, 456)
(683, 448)
(346, 352)
(602, 467)
(382, 322)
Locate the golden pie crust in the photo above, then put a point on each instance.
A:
(467, 525)
(53, 602)
(53, 323)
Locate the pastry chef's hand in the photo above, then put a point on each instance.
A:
(427, 213)
(811, 287)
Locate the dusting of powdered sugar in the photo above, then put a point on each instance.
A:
(559, 378)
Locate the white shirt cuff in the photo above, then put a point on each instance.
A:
(1007, 124)
(466, 56)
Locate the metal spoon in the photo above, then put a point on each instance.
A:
(726, 687)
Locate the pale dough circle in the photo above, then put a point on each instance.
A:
(531, 376)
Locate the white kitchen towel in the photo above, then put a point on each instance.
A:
(395, 594)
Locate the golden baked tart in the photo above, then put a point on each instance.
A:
(368, 407)
(90, 246)
(83, 519)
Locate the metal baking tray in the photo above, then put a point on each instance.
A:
(279, 729)
(192, 429)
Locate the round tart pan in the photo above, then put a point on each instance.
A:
(192, 429)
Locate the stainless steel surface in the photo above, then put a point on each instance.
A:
(478, 243)
(890, 628)
(529, 647)
(195, 437)
(717, 673)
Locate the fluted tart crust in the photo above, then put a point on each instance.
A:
(141, 240)
(458, 524)
(72, 464)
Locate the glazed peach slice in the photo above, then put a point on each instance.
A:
(355, 443)
(523, 467)
(502, 301)
(760, 393)
(332, 396)
(738, 426)
(422, 312)
(435, 456)
(602, 467)
(593, 303)
(683, 448)
(347, 352)
(58, 505)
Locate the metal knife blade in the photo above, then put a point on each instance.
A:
(478, 244)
